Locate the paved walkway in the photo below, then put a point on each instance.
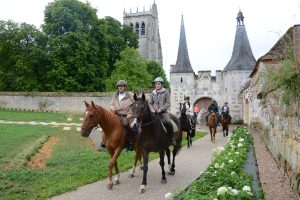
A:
(190, 163)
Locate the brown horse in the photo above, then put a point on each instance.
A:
(225, 123)
(113, 134)
(212, 124)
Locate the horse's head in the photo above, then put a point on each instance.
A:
(90, 119)
(139, 109)
(182, 108)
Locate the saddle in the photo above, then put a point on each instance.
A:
(175, 127)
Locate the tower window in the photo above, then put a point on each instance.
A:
(137, 28)
(181, 80)
(143, 28)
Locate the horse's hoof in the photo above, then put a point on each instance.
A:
(172, 173)
(116, 182)
(142, 189)
(141, 168)
(130, 175)
(188, 146)
(109, 186)
(168, 173)
(163, 181)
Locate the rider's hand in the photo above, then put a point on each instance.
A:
(159, 110)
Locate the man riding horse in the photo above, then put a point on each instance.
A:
(225, 109)
(188, 111)
(120, 104)
(213, 107)
(159, 102)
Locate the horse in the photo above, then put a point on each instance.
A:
(113, 134)
(153, 137)
(212, 124)
(186, 125)
(225, 123)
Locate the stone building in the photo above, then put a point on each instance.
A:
(278, 123)
(145, 24)
(224, 86)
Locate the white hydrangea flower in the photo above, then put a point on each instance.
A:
(220, 148)
(169, 196)
(237, 153)
(222, 190)
(234, 192)
(232, 173)
(239, 145)
(230, 161)
(246, 188)
(222, 166)
(216, 165)
(241, 140)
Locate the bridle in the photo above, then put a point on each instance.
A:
(93, 124)
(141, 119)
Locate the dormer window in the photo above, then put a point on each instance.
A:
(137, 28)
(143, 29)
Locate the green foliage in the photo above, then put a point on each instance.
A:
(225, 177)
(285, 78)
(156, 70)
(132, 68)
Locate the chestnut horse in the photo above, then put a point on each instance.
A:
(113, 134)
(212, 124)
(153, 137)
(225, 123)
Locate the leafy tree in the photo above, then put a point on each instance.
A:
(132, 68)
(24, 59)
(118, 38)
(77, 46)
(156, 70)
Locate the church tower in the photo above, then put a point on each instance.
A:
(238, 69)
(145, 24)
(182, 75)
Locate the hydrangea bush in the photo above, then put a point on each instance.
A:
(225, 177)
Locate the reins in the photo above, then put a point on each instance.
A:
(148, 123)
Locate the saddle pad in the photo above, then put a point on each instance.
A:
(175, 127)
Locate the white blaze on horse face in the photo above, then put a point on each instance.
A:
(133, 123)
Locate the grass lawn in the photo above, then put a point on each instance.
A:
(73, 162)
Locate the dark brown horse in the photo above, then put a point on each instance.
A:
(113, 134)
(153, 137)
(225, 123)
(186, 125)
(212, 124)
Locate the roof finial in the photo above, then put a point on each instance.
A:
(240, 18)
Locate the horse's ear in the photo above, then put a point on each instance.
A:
(86, 104)
(94, 106)
(143, 97)
(135, 97)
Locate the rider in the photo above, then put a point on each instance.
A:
(225, 109)
(213, 107)
(159, 102)
(188, 111)
(120, 104)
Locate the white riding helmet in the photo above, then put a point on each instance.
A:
(158, 79)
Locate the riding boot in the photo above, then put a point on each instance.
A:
(171, 134)
(130, 143)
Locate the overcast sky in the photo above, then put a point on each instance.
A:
(210, 25)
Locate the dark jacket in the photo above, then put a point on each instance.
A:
(212, 108)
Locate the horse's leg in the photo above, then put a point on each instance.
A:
(117, 176)
(168, 153)
(162, 165)
(114, 154)
(145, 170)
(173, 160)
(191, 142)
(211, 134)
(137, 158)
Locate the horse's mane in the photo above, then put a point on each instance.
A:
(108, 115)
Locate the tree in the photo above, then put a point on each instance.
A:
(77, 47)
(24, 58)
(132, 68)
(156, 70)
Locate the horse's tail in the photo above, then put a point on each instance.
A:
(178, 133)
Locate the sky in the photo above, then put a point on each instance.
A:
(209, 25)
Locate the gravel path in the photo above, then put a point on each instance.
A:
(275, 185)
(190, 163)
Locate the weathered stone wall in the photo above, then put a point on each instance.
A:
(57, 102)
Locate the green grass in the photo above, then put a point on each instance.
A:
(17, 115)
(73, 163)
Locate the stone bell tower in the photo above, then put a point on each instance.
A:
(145, 24)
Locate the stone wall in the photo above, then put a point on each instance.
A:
(57, 102)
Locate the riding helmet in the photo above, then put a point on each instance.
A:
(122, 82)
(158, 79)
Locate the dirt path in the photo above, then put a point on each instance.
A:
(275, 185)
(190, 163)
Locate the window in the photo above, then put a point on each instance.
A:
(143, 28)
(137, 28)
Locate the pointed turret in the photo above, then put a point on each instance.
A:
(183, 64)
(242, 57)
